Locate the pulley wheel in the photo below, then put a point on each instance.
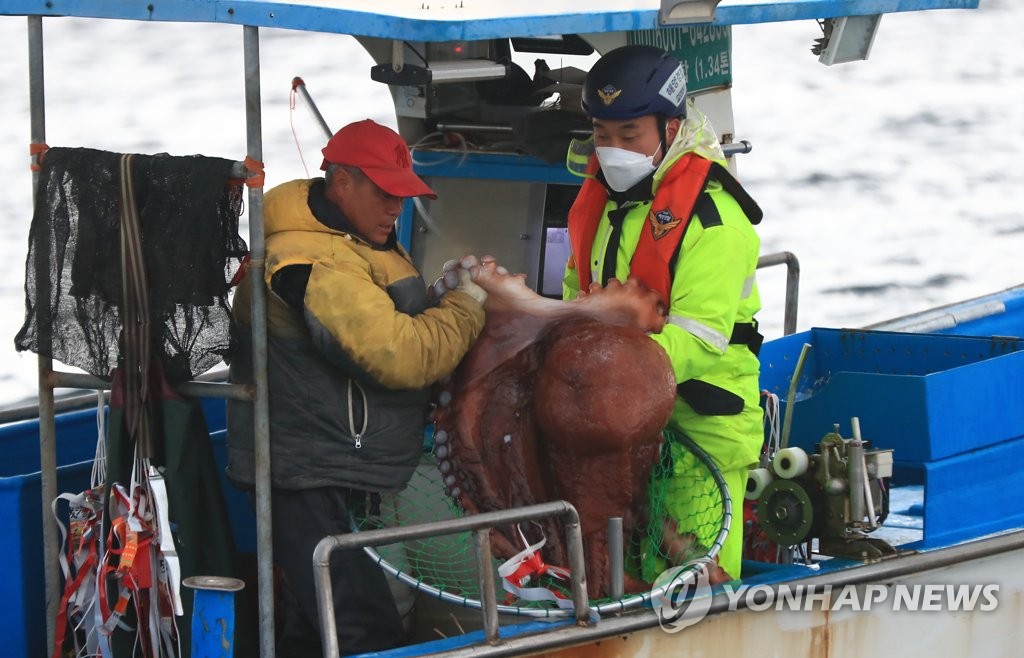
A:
(785, 512)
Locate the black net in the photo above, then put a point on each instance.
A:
(188, 210)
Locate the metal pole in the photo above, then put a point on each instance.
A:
(855, 472)
(261, 415)
(199, 389)
(300, 86)
(325, 595)
(485, 572)
(787, 423)
(792, 285)
(578, 568)
(47, 423)
(616, 558)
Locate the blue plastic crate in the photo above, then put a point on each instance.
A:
(24, 625)
(970, 494)
(926, 396)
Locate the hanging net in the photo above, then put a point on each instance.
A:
(188, 210)
(686, 493)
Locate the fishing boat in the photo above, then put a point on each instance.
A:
(913, 532)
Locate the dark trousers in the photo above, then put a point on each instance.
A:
(364, 609)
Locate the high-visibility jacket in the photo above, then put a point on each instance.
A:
(712, 295)
(712, 292)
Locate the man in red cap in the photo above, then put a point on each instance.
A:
(354, 342)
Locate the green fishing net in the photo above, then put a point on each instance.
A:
(688, 507)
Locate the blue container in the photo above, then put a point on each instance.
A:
(23, 626)
(969, 495)
(213, 615)
(926, 396)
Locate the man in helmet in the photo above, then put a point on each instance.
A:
(658, 205)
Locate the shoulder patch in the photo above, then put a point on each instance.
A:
(662, 222)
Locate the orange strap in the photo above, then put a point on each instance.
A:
(256, 168)
(668, 218)
(670, 213)
(584, 217)
(34, 149)
(70, 588)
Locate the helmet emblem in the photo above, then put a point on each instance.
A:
(662, 222)
(608, 94)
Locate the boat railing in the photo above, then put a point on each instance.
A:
(84, 396)
(792, 285)
(480, 525)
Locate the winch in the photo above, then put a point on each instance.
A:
(836, 495)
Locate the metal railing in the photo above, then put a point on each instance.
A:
(480, 525)
(792, 285)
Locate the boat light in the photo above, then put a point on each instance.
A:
(682, 12)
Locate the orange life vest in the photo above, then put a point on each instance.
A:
(667, 220)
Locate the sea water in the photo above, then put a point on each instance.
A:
(896, 181)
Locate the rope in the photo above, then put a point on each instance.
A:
(292, 96)
(771, 422)
(37, 149)
(255, 167)
(135, 321)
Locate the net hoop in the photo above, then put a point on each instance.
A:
(686, 575)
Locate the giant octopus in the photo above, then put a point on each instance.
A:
(557, 400)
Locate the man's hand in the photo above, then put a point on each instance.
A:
(467, 286)
(459, 275)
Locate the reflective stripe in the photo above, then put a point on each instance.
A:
(748, 287)
(597, 266)
(578, 155)
(702, 331)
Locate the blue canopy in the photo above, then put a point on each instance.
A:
(455, 20)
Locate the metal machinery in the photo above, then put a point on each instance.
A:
(836, 495)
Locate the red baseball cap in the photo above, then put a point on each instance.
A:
(380, 153)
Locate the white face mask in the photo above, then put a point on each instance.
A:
(623, 169)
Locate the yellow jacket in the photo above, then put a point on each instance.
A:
(349, 376)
